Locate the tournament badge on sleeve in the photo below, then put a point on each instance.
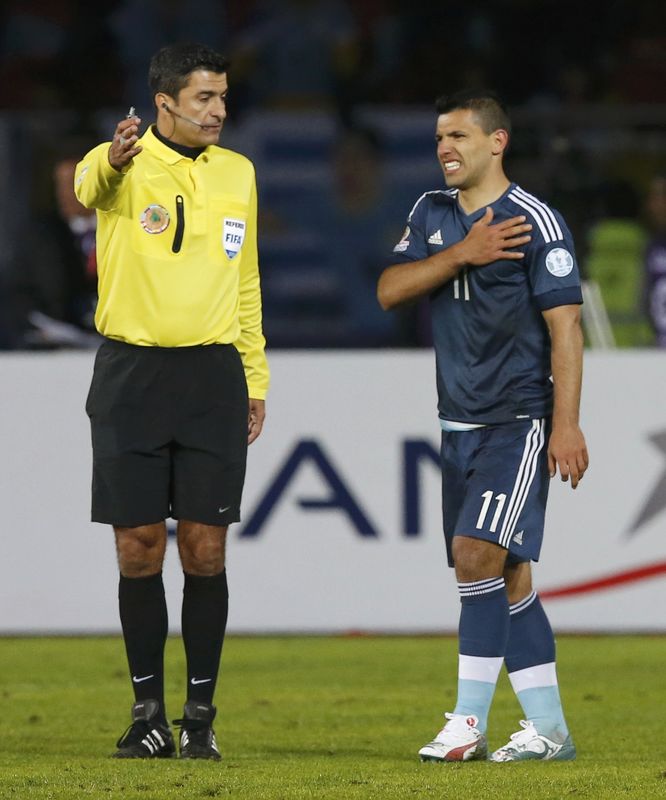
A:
(232, 236)
(559, 262)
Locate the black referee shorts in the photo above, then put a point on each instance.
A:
(169, 434)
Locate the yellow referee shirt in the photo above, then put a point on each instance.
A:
(177, 250)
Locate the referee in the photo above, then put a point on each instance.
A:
(179, 383)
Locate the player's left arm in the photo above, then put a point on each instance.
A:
(567, 450)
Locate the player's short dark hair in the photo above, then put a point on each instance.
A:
(171, 66)
(488, 108)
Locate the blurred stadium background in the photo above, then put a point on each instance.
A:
(333, 101)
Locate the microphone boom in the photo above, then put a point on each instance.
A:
(186, 119)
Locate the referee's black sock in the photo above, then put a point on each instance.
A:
(204, 620)
(143, 616)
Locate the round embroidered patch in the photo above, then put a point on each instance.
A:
(155, 219)
(559, 262)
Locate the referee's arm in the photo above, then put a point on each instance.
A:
(99, 175)
(251, 343)
(96, 183)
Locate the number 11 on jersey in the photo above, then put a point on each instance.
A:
(461, 284)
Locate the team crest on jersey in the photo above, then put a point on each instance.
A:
(233, 235)
(403, 244)
(559, 262)
(155, 219)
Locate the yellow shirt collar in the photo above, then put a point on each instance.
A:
(150, 142)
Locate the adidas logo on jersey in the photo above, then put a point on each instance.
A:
(436, 237)
(518, 538)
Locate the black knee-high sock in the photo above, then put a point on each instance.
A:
(143, 616)
(205, 609)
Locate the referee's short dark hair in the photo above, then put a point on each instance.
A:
(488, 108)
(171, 66)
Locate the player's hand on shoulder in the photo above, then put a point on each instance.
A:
(567, 452)
(123, 147)
(487, 242)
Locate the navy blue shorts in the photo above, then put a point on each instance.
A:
(495, 486)
(169, 434)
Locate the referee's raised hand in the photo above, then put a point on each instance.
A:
(123, 147)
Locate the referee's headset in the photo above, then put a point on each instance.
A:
(187, 119)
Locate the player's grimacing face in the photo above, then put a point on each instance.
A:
(464, 150)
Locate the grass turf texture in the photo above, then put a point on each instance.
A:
(325, 718)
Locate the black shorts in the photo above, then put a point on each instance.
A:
(169, 434)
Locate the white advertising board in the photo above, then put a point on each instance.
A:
(341, 516)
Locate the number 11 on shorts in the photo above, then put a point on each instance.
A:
(487, 500)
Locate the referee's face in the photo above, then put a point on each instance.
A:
(199, 111)
(465, 152)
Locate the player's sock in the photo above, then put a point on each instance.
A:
(482, 634)
(143, 616)
(530, 662)
(205, 609)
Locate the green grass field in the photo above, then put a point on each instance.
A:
(325, 718)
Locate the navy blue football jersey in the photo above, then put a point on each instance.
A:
(491, 342)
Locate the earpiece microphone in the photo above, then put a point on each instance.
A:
(186, 119)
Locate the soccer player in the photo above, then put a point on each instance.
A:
(499, 268)
(179, 383)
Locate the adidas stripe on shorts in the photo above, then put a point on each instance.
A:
(495, 486)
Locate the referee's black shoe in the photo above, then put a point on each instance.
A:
(146, 737)
(197, 737)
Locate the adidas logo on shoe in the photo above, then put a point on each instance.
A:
(197, 737)
(146, 737)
